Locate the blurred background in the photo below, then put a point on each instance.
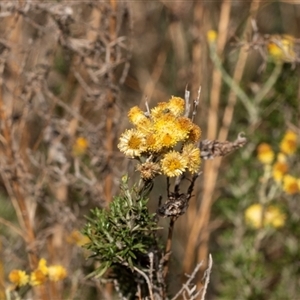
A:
(70, 71)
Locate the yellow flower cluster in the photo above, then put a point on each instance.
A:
(280, 168)
(39, 276)
(156, 137)
(257, 217)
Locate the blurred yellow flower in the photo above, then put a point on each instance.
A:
(279, 169)
(173, 164)
(42, 266)
(281, 157)
(18, 277)
(265, 154)
(80, 146)
(76, 237)
(273, 216)
(37, 277)
(290, 185)
(282, 48)
(57, 272)
(211, 36)
(288, 145)
(132, 143)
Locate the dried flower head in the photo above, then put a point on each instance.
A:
(148, 170)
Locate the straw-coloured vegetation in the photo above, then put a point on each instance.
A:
(149, 150)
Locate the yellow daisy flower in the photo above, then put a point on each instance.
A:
(151, 143)
(18, 277)
(176, 106)
(136, 115)
(144, 125)
(173, 164)
(192, 154)
(168, 131)
(159, 110)
(57, 272)
(132, 143)
(288, 145)
(265, 154)
(290, 185)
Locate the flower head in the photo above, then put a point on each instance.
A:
(176, 106)
(290, 185)
(211, 36)
(265, 154)
(57, 272)
(257, 217)
(288, 145)
(282, 48)
(279, 169)
(37, 277)
(194, 133)
(132, 143)
(80, 146)
(173, 164)
(136, 115)
(192, 155)
(18, 277)
(148, 170)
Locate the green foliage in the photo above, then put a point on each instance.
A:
(122, 236)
